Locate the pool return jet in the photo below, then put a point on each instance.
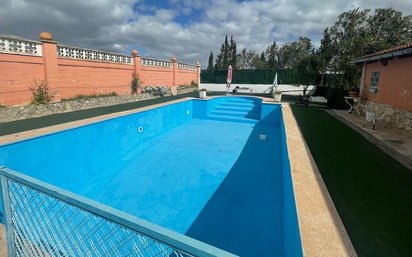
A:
(229, 79)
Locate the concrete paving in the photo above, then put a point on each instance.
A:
(392, 142)
(3, 242)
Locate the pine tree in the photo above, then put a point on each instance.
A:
(271, 55)
(210, 66)
(219, 58)
(226, 54)
(233, 53)
(262, 61)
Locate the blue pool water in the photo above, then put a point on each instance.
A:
(198, 168)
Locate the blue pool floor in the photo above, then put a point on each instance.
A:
(214, 181)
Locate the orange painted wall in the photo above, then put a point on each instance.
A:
(395, 83)
(156, 76)
(73, 77)
(184, 77)
(17, 72)
(88, 77)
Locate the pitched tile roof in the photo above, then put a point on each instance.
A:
(390, 50)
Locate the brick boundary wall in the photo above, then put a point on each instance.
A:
(71, 71)
(14, 113)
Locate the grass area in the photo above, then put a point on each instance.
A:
(371, 191)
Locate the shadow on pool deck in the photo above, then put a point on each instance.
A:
(245, 214)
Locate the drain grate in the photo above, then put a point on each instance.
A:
(394, 141)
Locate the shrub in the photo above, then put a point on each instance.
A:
(136, 83)
(193, 84)
(41, 92)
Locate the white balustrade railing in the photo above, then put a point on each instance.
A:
(20, 46)
(155, 63)
(31, 47)
(93, 55)
(183, 66)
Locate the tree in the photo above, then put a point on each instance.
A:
(272, 55)
(388, 28)
(308, 68)
(241, 59)
(233, 53)
(262, 61)
(256, 61)
(226, 54)
(325, 54)
(219, 58)
(246, 59)
(225, 57)
(357, 33)
(292, 53)
(210, 66)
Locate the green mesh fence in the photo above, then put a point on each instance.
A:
(285, 76)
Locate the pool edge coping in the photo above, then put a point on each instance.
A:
(322, 231)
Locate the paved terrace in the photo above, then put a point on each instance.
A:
(392, 142)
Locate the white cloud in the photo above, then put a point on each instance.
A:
(115, 26)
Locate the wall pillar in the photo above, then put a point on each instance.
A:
(198, 73)
(137, 67)
(51, 69)
(175, 67)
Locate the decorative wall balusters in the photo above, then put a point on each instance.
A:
(155, 63)
(20, 46)
(30, 47)
(87, 54)
(183, 66)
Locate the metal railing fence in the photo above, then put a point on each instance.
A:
(44, 220)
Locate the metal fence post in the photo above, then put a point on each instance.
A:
(7, 214)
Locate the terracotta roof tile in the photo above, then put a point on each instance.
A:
(390, 50)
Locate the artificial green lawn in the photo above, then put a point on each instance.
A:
(371, 191)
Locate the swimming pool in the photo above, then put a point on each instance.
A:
(199, 167)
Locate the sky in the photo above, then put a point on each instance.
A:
(187, 29)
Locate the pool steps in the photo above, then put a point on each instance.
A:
(237, 110)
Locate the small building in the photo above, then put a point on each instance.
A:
(387, 81)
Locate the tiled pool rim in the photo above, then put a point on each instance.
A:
(322, 231)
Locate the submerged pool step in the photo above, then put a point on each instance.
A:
(235, 104)
(236, 113)
(241, 101)
(231, 119)
(237, 108)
